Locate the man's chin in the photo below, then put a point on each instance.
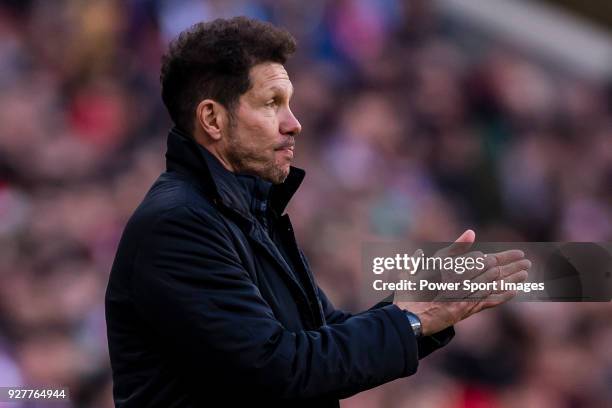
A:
(278, 175)
(280, 178)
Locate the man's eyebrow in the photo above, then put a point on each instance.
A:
(276, 88)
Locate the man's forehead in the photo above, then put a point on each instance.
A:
(270, 75)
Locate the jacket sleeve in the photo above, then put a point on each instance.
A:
(333, 315)
(426, 345)
(189, 285)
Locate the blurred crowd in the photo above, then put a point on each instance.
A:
(415, 127)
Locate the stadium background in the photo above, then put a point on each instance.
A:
(420, 119)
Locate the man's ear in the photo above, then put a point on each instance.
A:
(212, 117)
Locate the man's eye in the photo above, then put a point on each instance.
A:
(271, 103)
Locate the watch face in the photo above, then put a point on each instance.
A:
(414, 321)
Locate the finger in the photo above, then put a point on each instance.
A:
(501, 259)
(513, 273)
(518, 277)
(501, 272)
(476, 258)
(505, 257)
(473, 272)
(489, 262)
(495, 287)
(450, 275)
(497, 297)
(461, 244)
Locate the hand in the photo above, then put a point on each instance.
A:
(438, 314)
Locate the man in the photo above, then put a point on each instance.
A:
(209, 296)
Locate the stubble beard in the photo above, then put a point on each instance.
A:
(244, 160)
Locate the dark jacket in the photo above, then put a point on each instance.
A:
(210, 299)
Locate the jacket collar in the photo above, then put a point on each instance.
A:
(245, 194)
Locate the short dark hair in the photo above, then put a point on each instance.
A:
(213, 60)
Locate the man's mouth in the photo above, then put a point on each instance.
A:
(286, 150)
(286, 146)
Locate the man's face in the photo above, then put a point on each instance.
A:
(261, 136)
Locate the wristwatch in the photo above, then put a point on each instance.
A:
(415, 323)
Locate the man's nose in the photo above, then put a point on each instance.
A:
(289, 125)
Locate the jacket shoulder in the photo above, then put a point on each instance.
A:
(172, 190)
(172, 201)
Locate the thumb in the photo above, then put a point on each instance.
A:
(468, 236)
(461, 244)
